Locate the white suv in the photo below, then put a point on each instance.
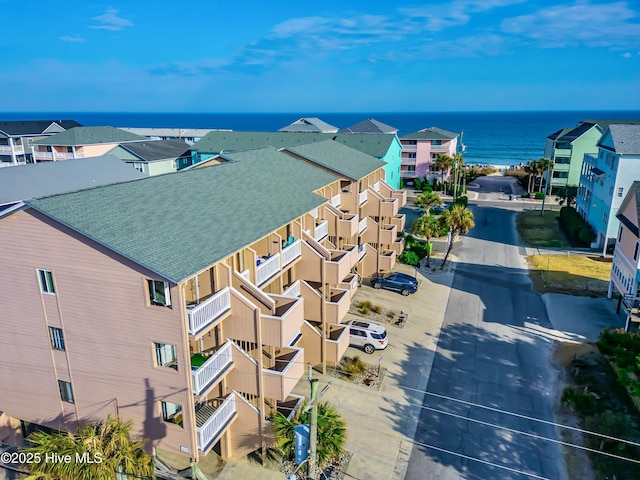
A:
(368, 335)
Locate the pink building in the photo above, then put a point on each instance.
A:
(420, 149)
(625, 269)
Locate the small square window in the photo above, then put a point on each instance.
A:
(66, 392)
(166, 355)
(57, 338)
(172, 413)
(159, 293)
(46, 281)
(620, 191)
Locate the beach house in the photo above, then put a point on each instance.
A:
(154, 157)
(309, 125)
(191, 303)
(370, 125)
(187, 135)
(625, 269)
(420, 149)
(16, 138)
(606, 178)
(80, 142)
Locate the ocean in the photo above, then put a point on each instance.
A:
(497, 138)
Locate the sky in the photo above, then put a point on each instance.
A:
(216, 56)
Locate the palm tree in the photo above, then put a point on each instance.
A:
(428, 200)
(443, 162)
(428, 227)
(107, 443)
(544, 164)
(533, 168)
(458, 166)
(331, 432)
(459, 219)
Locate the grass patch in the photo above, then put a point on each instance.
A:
(573, 275)
(541, 231)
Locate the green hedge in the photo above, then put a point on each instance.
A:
(576, 228)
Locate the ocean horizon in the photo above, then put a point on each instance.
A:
(501, 138)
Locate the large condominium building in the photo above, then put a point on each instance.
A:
(625, 269)
(606, 178)
(16, 138)
(420, 149)
(190, 303)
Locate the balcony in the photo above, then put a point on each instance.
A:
(321, 230)
(267, 269)
(348, 225)
(51, 156)
(293, 290)
(561, 152)
(362, 251)
(587, 180)
(280, 379)
(290, 405)
(291, 252)
(408, 161)
(338, 305)
(379, 206)
(387, 260)
(590, 160)
(388, 234)
(340, 263)
(205, 315)
(349, 283)
(213, 418)
(335, 200)
(440, 148)
(7, 150)
(399, 221)
(398, 245)
(362, 197)
(207, 370)
(337, 343)
(409, 148)
(281, 326)
(362, 225)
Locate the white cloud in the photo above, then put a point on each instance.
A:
(584, 23)
(110, 20)
(72, 39)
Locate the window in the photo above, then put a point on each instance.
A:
(620, 191)
(560, 174)
(411, 168)
(66, 392)
(69, 149)
(159, 293)
(138, 166)
(436, 143)
(171, 412)
(166, 355)
(46, 281)
(562, 160)
(620, 234)
(411, 155)
(57, 339)
(635, 251)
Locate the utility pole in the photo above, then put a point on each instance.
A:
(546, 187)
(313, 426)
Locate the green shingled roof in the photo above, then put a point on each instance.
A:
(339, 158)
(89, 136)
(178, 224)
(376, 145)
(432, 133)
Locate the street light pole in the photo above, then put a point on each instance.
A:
(313, 426)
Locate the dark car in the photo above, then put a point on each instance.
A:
(403, 283)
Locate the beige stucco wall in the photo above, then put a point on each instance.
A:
(109, 329)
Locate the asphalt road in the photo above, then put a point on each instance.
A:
(489, 354)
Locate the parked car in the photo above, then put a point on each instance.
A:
(368, 335)
(401, 282)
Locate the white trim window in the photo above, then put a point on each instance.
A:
(171, 412)
(57, 338)
(159, 293)
(166, 355)
(66, 392)
(46, 281)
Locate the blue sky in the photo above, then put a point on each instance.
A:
(327, 56)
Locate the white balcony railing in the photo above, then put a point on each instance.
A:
(409, 148)
(590, 159)
(376, 186)
(267, 269)
(335, 200)
(56, 155)
(214, 425)
(6, 149)
(362, 251)
(362, 225)
(293, 290)
(290, 253)
(210, 370)
(362, 197)
(322, 230)
(203, 315)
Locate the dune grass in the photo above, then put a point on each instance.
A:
(574, 274)
(541, 231)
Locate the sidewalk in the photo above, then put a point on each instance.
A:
(382, 424)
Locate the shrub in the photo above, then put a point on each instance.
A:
(354, 366)
(463, 200)
(618, 425)
(586, 235)
(539, 195)
(426, 188)
(582, 401)
(376, 309)
(365, 307)
(409, 257)
(418, 183)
